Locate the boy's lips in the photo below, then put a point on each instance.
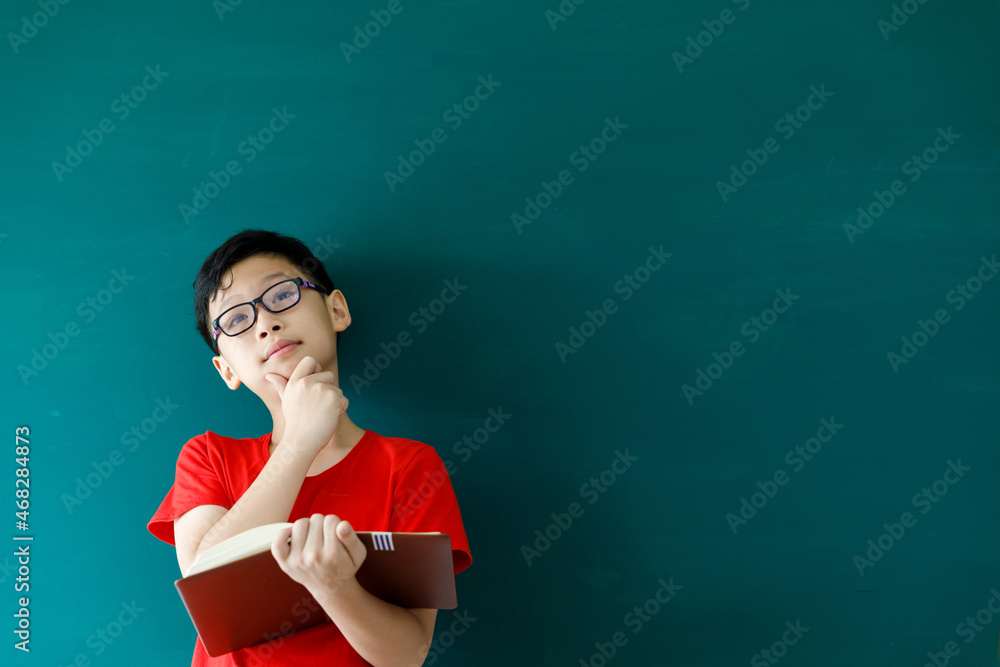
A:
(280, 348)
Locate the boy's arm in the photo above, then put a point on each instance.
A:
(268, 500)
(324, 555)
(312, 406)
(382, 633)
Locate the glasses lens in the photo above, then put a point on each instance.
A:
(236, 320)
(282, 296)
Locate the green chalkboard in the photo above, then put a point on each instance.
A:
(727, 271)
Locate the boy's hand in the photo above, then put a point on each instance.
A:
(323, 553)
(311, 403)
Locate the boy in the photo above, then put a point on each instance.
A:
(271, 315)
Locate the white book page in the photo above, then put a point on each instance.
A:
(247, 543)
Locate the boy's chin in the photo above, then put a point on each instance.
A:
(285, 366)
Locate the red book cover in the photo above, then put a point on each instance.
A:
(250, 600)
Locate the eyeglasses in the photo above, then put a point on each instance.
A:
(276, 298)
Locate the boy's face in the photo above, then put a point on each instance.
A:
(311, 325)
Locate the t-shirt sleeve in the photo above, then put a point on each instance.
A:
(424, 501)
(197, 482)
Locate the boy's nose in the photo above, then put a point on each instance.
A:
(267, 321)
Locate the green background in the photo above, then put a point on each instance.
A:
(389, 249)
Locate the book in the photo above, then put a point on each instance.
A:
(238, 596)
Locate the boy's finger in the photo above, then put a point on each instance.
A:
(306, 366)
(280, 545)
(322, 376)
(299, 534)
(278, 381)
(330, 542)
(355, 547)
(314, 538)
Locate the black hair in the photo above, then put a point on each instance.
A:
(240, 246)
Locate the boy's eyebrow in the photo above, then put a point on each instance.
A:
(229, 298)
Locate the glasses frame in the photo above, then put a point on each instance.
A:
(299, 284)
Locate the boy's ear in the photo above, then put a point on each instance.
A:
(336, 303)
(228, 376)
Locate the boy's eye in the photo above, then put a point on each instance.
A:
(234, 320)
(283, 294)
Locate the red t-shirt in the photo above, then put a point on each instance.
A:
(383, 484)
